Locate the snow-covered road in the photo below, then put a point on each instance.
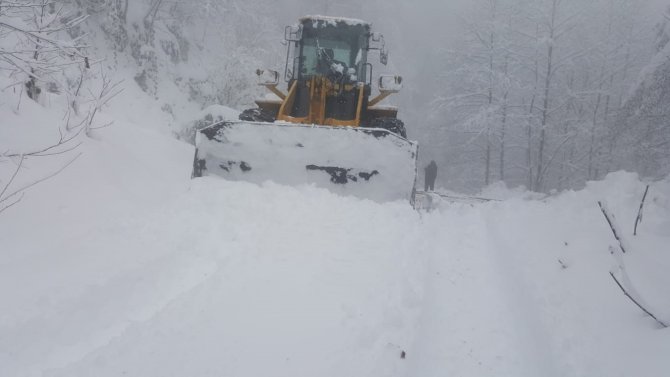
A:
(123, 266)
(474, 322)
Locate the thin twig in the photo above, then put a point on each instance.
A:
(36, 37)
(611, 224)
(638, 219)
(11, 179)
(43, 152)
(25, 187)
(625, 292)
(461, 197)
(12, 203)
(102, 126)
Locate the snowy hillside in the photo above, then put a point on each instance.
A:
(122, 265)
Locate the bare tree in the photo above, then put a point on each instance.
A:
(481, 80)
(43, 47)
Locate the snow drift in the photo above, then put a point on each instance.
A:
(121, 265)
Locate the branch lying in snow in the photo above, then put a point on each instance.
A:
(625, 292)
(638, 219)
(610, 221)
(625, 283)
(452, 197)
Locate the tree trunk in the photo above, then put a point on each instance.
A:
(503, 122)
(487, 170)
(487, 174)
(123, 7)
(540, 171)
(594, 123)
(503, 127)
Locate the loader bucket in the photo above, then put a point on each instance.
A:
(368, 163)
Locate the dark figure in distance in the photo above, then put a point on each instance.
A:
(431, 174)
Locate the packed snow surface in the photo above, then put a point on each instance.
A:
(123, 266)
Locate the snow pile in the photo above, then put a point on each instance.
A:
(500, 191)
(522, 287)
(320, 21)
(206, 117)
(219, 113)
(121, 265)
(217, 280)
(366, 163)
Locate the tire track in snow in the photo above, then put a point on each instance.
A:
(468, 326)
(527, 312)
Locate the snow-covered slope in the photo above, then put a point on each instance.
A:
(522, 287)
(121, 265)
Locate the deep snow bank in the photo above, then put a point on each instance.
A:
(122, 264)
(541, 301)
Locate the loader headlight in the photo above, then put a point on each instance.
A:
(267, 77)
(390, 83)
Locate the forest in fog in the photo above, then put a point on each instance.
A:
(550, 94)
(547, 94)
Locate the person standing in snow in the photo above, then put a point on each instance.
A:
(431, 175)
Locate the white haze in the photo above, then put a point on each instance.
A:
(423, 35)
(189, 56)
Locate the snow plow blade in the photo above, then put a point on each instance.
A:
(367, 163)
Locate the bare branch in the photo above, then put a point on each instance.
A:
(23, 188)
(625, 292)
(11, 178)
(43, 152)
(638, 219)
(11, 204)
(37, 38)
(610, 221)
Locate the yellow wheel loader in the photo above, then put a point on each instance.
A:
(326, 129)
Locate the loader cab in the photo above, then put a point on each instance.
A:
(330, 47)
(329, 77)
